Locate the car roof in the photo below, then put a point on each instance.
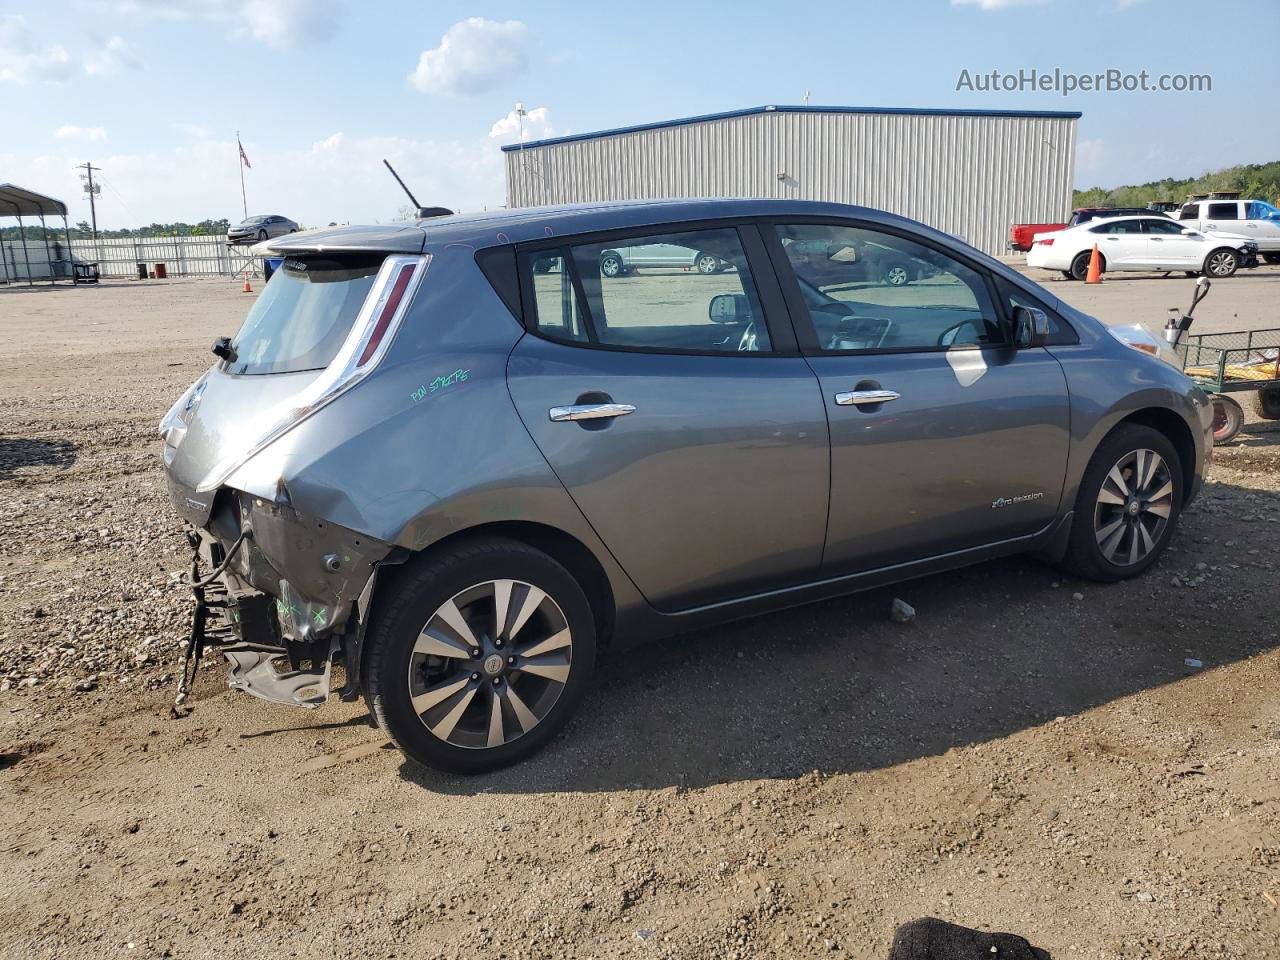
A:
(504, 226)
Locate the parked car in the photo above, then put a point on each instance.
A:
(260, 228)
(1023, 235)
(621, 261)
(855, 262)
(1255, 219)
(1142, 243)
(460, 477)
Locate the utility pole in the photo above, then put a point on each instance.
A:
(92, 190)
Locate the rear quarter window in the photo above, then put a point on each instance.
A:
(303, 315)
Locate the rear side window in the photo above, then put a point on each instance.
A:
(1223, 211)
(686, 292)
(1118, 226)
(1190, 212)
(303, 315)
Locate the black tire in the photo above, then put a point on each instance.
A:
(1191, 273)
(1266, 403)
(611, 265)
(1228, 419)
(707, 264)
(1272, 258)
(1085, 554)
(1067, 275)
(262, 235)
(1080, 265)
(1222, 263)
(413, 601)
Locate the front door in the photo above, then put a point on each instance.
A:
(1169, 248)
(698, 454)
(943, 436)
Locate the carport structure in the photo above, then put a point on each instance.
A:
(20, 202)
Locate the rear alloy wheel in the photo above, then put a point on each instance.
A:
(707, 264)
(1080, 265)
(611, 265)
(897, 275)
(1128, 504)
(481, 655)
(1222, 263)
(1228, 419)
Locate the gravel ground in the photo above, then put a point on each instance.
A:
(1094, 768)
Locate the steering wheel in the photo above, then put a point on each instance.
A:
(749, 341)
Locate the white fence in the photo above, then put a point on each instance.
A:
(181, 256)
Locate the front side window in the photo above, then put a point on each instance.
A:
(303, 315)
(1190, 212)
(1060, 332)
(678, 292)
(867, 290)
(1163, 227)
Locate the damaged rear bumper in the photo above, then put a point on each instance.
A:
(290, 599)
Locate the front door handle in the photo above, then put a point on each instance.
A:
(857, 398)
(590, 411)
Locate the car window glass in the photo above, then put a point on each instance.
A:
(1163, 226)
(555, 304)
(1223, 211)
(1118, 226)
(867, 290)
(675, 292)
(1190, 212)
(1060, 331)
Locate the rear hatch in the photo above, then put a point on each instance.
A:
(320, 324)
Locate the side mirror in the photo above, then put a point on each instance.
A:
(1188, 232)
(223, 350)
(729, 308)
(1030, 327)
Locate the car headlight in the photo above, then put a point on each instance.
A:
(1135, 335)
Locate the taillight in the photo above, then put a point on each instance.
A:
(388, 311)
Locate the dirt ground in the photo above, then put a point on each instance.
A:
(1094, 768)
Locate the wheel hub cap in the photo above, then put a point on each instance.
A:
(1133, 507)
(489, 664)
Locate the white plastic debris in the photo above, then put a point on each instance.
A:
(1193, 662)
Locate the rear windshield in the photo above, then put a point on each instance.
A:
(302, 316)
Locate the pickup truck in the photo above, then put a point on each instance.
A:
(1255, 219)
(1021, 235)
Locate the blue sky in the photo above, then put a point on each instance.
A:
(153, 91)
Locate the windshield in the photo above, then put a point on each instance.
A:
(302, 316)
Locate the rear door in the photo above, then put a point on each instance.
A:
(1122, 243)
(678, 413)
(943, 436)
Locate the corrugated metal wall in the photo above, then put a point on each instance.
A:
(971, 176)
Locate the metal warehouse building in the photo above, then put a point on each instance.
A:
(969, 172)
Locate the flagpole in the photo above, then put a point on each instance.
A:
(240, 163)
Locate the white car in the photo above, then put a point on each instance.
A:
(1141, 243)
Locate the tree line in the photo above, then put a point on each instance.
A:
(1254, 181)
(83, 231)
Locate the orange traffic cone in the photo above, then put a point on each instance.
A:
(1095, 267)
(249, 289)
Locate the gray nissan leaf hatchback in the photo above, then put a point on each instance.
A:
(454, 461)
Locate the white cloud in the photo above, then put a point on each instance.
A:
(196, 131)
(337, 178)
(110, 57)
(537, 126)
(276, 23)
(995, 4)
(1089, 156)
(84, 134)
(474, 55)
(22, 59)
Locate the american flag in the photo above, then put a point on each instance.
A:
(243, 157)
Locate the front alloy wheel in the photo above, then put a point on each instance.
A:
(707, 264)
(490, 664)
(1222, 263)
(896, 275)
(1133, 507)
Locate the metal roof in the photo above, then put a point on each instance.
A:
(806, 108)
(18, 201)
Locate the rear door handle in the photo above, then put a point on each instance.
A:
(857, 398)
(590, 411)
